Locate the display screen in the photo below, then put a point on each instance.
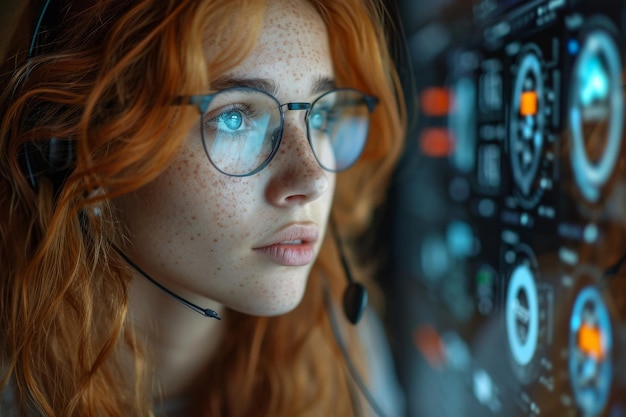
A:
(507, 266)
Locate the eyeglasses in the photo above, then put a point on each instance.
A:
(242, 127)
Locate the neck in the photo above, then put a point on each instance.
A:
(179, 341)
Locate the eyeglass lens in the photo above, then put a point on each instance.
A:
(242, 129)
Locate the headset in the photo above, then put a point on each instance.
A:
(53, 158)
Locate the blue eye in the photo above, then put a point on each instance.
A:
(318, 119)
(231, 119)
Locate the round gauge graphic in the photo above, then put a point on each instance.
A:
(595, 113)
(463, 124)
(522, 315)
(590, 343)
(527, 124)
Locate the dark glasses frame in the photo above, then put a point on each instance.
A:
(203, 101)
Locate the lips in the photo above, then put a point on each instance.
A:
(293, 245)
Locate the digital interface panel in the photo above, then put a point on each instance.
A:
(517, 292)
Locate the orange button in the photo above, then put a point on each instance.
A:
(528, 103)
(590, 341)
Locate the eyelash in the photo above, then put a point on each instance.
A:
(245, 109)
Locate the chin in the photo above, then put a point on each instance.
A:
(269, 307)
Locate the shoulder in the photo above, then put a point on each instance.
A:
(383, 382)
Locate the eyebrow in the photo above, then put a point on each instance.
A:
(323, 84)
(320, 85)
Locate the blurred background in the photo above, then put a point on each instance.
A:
(505, 223)
(506, 216)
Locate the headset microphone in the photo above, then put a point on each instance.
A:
(206, 312)
(355, 294)
(354, 301)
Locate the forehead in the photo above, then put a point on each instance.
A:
(293, 45)
(297, 19)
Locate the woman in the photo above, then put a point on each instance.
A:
(196, 145)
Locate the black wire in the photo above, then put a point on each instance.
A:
(342, 255)
(347, 359)
(37, 27)
(207, 312)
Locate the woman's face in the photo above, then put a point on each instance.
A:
(245, 242)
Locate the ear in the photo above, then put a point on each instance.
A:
(54, 159)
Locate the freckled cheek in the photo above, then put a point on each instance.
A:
(209, 199)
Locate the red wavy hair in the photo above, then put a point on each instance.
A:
(107, 81)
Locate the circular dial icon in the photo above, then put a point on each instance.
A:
(522, 315)
(595, 113)
(590, 343)
(527, 124)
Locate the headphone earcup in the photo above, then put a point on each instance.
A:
(54, 159)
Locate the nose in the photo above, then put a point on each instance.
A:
(296, 176)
